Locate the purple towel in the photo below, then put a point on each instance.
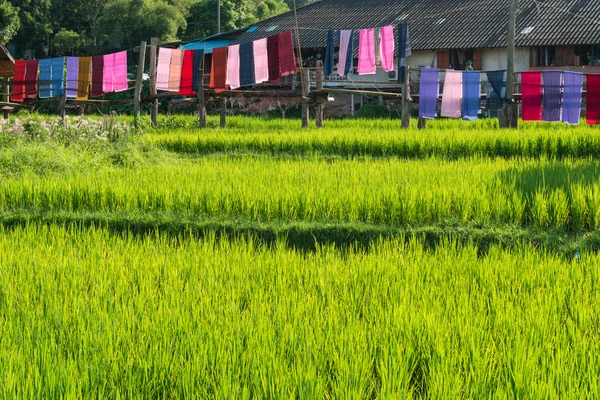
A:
(429, 92)
(72, 75)
(572, 98)
(551, 104)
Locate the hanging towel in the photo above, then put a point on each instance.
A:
(58, 76)
(163, 69)
(531, 95)
(496, 98)
(386, 44)
(592, 102)
(366, 52)
(186, 87)
(83, 79)
(219, 69)
(233, 66)
(120, 72)
(45, 75)
(452, 96)
(97, 73)
(273, 50)
(175, 70)
(552, 105)
(18, 92)
(31, 76)
(572, 97)
(287, 58)
(428, 93)
(72, 75)
(247, 64)
(198, 57)
(108, 72)
(346, 50)
(329, 53)
(471, 95)
(404, 51)
(261, 61)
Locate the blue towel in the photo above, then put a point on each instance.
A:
(329, 53)
(471, 95)
(572, 98)
(404, 50)
(45, 75)
(58, 76)
(247, 64)
(429, 92)
(497, 96)
(198, 56)
(551, 105)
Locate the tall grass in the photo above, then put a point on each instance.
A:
(89, 314)
(391, 192)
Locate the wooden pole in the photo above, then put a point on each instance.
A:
(511, 117)
(352, 105)
(137, 99)
(305, 93)
(153, 56)
(201, 100)
(320, 104)
(6, 95)
(62, 104)
(405, 101)
(223, 107)
(422, 123)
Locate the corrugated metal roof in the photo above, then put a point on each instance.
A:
(206, 45)
(446, 24)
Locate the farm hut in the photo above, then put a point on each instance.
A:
(7, 63)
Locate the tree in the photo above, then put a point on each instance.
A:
(68, 42)
(9, 21)
(36, 27)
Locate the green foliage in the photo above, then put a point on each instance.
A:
(9, 21)
(375, 111)
(69, 42)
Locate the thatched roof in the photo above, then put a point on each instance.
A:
(7, 63)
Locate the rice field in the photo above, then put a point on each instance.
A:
(359, 261)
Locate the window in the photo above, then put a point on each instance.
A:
(459, 59)
(588, 55)
(542, 56)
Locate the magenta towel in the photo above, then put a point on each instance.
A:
(233, 66)
(345, 52)
(164, 68)
(120, 72)
(452, 96)
(366, 52)
(107, 75)
(72, 76)
(386, 45)
(261, 61)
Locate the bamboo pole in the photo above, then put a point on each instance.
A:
(305, 93)
(223, 107)
(154, 105)
(137, 99)
(201, 100)
(405, 101)
(6, 96)
(320, 104)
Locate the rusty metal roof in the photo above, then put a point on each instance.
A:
(445, 24)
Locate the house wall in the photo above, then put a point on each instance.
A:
(494, 59)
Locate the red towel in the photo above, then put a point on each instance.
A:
(287, 58)
(30, 79)
(18, 92)
(187, 74)
(273, 52)
(97, 75)
(531, 92)
(592, 103)
(219, 69)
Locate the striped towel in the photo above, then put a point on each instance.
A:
(198, 57)
(45, 75)
(97, 75)
(233, 66)
(219, 69)
(247, 64)
(531, 95)
(471, 95)
(120, 72)
(273, 50)
(58, 76)
(186, 87)
(429, 92)
(346, 49)
(163, 69)
(386, 44)
(31, 77)
(552, 103)
(108, 73)
(18, 92)
(83, 79)
(572, 98)
(287, 58)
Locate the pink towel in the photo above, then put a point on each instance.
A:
(107, 75)
(164, 67)
(345, 48)
(261, 61)
(366, 52)
(387, 48)
(120, 72)
(233, 66)
(175, 71)
(452, 96)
